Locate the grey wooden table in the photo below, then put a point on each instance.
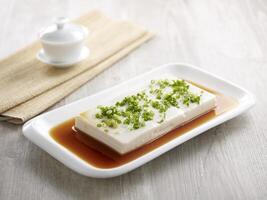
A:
(228, 38)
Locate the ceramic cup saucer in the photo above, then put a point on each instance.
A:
(43, 58)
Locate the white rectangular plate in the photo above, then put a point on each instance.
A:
(37, 129)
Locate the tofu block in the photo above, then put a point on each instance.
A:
(123, 140)
(206, 104)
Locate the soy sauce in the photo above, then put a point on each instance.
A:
(99, 155)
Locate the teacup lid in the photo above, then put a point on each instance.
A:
(63, 32)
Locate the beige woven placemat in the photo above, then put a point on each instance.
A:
(28, 87)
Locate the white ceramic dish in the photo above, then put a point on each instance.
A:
(43, 58)
(37, 129)
(63, 41)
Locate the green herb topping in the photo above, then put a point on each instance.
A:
(135, 110)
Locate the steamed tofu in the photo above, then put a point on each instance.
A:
(207, 103)
(123, 140)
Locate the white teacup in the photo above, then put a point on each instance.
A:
(63, 41)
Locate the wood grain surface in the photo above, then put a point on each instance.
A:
(228, 38)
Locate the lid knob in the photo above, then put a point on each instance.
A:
(61, 21)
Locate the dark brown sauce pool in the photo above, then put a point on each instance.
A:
(101, 156)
